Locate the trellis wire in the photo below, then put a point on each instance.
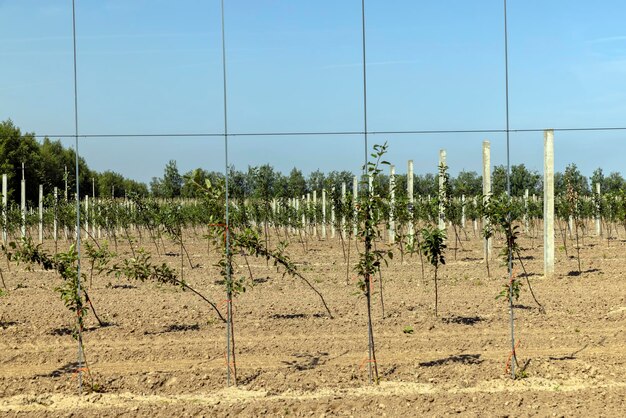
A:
(336, 133)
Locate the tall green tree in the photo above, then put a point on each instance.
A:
(170, 185)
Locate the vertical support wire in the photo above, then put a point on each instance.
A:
(78, 283)
(227, 231)
(364, 80)
(508, 190)
(370, 336)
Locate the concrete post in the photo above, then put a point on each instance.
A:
(463, 211)
(314, 220)
(526, 211)
(324, 214)
(41, 213)
(87, 213)
(65, 229)
(487, 192)
(598, 218)
(475, 219)
(355, 195)
(392, 203)
(409, 193)
(55, 224)
(304, 228)
(442, 192)
(332, 214)
(99, 224)
(548, 203)
(343, 214)
(93, 207)
(4, 207)
(23, 202)
(288, 208)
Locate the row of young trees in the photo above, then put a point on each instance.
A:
(301, 214)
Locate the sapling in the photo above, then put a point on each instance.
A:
(502, 214)
(433, 247)
(239, 238)
(371, 259)
(234, 286)
(449, 211)
(573, 205)
(74, 298)
(99, 257)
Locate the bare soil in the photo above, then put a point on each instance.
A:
(163, 353)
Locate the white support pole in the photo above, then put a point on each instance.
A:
(4, 207)
(409, 193)
(309, 220)
(93, 207)
(343, 212)
(41, 213)
(55, 224)
(526, 211)
(304, 229)
(475, 201)
(392, 203)
(324, 214)
(23, 203)
(355, 195)
(292, 206)
(442, 215)
(87, 213)
(548, 203)
(332, 214)
(598, 218)
(314, 220)
(463, 211)
(65, 229)
(99, 224)
(487, 243)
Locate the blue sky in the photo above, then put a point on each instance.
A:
(154, 66)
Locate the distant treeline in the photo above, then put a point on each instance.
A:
(264, 181)
(46, 163)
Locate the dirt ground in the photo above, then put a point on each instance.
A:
(163, 354)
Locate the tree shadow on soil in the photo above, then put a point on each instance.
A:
(247, 379)
(7, 324)
(123, 286)
(175, 328)
(576, 273)
(69, 331)
(288, 316)
(65, 369)
(460, 358)
(462, 320)
(569, 356)
(306, 361)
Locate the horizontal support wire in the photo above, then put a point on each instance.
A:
(329, 133)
